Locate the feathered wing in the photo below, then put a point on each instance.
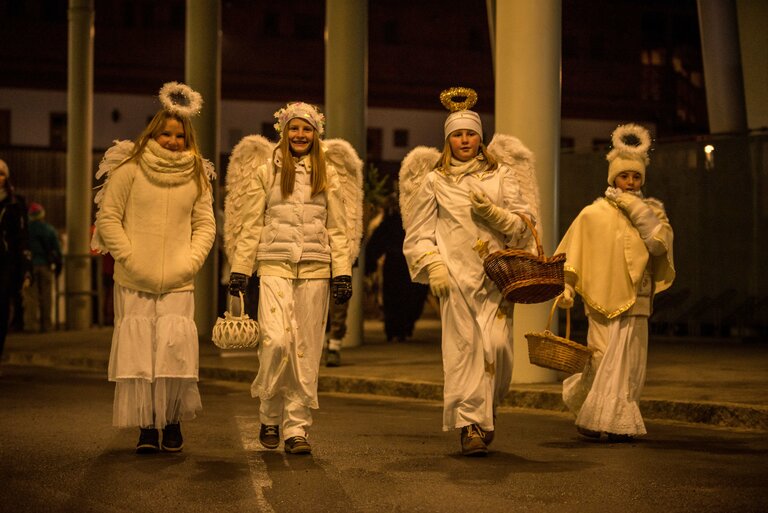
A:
(118, 153)
(251, 152)
(414, 168)
(350, 168)
(510, 151)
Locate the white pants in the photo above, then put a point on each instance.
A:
(477, 360)
(292, 318)
(154, 358)
(605, 396)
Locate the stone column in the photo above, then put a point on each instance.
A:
(346, 96)
(79, 164)
(527, 71)
(203, 74)
(723, 78)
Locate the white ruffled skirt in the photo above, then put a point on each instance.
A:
(154, 358)
(605, 397)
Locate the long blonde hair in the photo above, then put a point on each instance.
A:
(318, 174)
(445, 157)
(156, 126)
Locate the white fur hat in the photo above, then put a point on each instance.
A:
(630, 151)
(463, 119)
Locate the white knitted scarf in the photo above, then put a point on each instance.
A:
(166, 167)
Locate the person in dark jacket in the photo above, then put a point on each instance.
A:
(15, 261)
(46, 266)
(403, 300)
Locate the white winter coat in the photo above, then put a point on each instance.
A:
(156, 223)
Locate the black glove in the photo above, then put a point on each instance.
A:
(237, 283)
(341, 288)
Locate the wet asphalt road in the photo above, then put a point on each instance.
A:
(59, 453)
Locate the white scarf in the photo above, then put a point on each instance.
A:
(458, 168)
(166, 167)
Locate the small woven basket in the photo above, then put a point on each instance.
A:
(523, 277)
(546, 349)
(236, 332)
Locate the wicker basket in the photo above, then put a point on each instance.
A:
(523, 277)
(546, 349)
(236, 332)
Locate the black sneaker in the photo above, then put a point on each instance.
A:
(587, 432)
(297, 445)
(149, 441)
(269, 436)
(172, 439)
(333, 358)
(473, 441)
(620, 439)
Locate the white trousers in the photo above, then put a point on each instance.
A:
(605, 396)
(477, 360)
(292, 318)
(154, 358)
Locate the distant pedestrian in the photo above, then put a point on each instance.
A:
(289, 219)
(457, 206)
(402, 299)
(618, 257)
(156, 219)
(46, 267)
(15, 258)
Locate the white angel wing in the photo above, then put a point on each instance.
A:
(118, 153)
(346, 161)
(510, 151)
(414, 168)
(251, 152)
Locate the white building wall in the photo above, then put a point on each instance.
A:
(120, 116)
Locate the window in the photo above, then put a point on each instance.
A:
(58, 122)
(400, 139)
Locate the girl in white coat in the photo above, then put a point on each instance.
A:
(293, 234)
(465, 207)
(156, 219)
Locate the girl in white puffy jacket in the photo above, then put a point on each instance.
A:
(293, 235)
(156, 219)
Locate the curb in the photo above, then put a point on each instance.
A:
(728, 415)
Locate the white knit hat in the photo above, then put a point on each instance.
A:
(301, 110)
(630, 151)
(463, 119)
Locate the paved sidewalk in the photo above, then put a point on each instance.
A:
(716, 382)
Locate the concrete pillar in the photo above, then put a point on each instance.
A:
(79, 163)
(754, 59)
(723, 79)
(203, 74)
(346, 97)
(528, 34)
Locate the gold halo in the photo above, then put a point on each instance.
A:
(449, 98)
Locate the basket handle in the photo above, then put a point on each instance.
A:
(567, 318)
(242, 305)
(539, 248)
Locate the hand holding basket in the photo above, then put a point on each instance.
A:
(546, 349)
(523, 277)
(236, 332)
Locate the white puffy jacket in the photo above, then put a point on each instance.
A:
(299, 228)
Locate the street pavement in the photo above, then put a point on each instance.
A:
(718, 382)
